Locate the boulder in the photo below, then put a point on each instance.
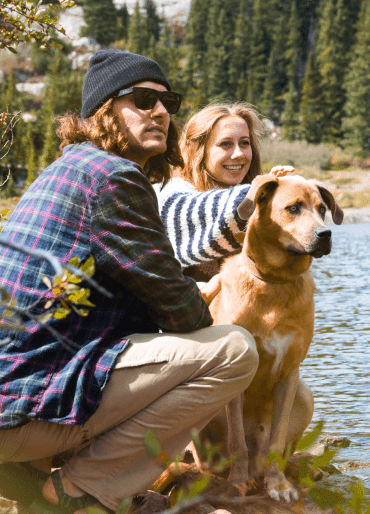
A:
(336, 441)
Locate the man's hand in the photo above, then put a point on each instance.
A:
(281, 171)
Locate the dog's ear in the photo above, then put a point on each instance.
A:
(336, 212)
(261, 190)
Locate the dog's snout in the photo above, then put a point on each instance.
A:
(323, 234)
(322, 243)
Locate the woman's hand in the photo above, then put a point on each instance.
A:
(281, 171)
(210, 289)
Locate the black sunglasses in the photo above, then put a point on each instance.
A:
(146, 98)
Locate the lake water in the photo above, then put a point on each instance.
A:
(337, 366)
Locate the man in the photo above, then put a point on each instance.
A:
(114, 376)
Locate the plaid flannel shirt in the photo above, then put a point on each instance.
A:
(88, 202)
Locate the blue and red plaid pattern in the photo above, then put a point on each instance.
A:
(88, 202)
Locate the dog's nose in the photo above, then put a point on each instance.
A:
(323, 234)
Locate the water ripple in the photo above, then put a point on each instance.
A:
(337, 366)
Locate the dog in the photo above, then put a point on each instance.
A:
(268, 289)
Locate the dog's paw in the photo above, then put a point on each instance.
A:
(238, 475)
(285, 495)
(247, 487)
(278, 487)
(242, 488)
(239, 480)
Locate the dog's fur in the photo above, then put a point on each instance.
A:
(268, 289)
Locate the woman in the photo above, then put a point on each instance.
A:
(220, 148)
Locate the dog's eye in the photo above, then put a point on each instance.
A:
(293, 209)
(322, 211)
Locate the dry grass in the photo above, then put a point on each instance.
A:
(298, 154)
(357, 200)
(338, 170)
(346, 180)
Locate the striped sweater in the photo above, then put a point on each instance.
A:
(200, 225)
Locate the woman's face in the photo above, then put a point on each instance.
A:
(228, 152)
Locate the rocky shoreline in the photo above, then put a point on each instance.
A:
(356, 215)
(353, 216)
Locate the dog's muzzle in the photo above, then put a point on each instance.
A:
(323, 243)
(321, 246)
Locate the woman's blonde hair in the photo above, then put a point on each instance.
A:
(102, 129)
(196, 133)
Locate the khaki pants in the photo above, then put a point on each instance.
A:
(169, 383)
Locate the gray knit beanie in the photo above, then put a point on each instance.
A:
(112, 70)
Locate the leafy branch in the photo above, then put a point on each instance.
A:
(21, 21)
(7, 123)
(64, 294)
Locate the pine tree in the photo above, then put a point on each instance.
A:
(216, 56)
(63, 92)
(9, 97)
(290, 119)
(356, 123)
(238, 67)
(152, 51)
(123, 22)
(175, 55)
(272, 11)
(138, 38)
(259, 53)
(200, 98)
(55, 77)
(196, 46)
(311, 116)
(161, 49)
(20, 143)
(280, 62)
(102, 21)
(168, 54)
(292, 45)
(332, 58)
(58, 65)
(220, 42)
(270, 104)
(70, 97)
(27, 142)
(50, 139)
(152, 19)
(11, 101)
(50, 148)
(308, 14)
(32, 166)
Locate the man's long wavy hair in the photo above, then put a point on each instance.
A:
(102, 129)
(195, 136)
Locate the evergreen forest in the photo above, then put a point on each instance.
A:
(304, 64)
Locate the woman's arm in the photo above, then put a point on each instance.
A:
(201, 225)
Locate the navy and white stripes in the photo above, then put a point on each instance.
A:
(200, 225)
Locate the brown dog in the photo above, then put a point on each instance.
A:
(268, 289)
